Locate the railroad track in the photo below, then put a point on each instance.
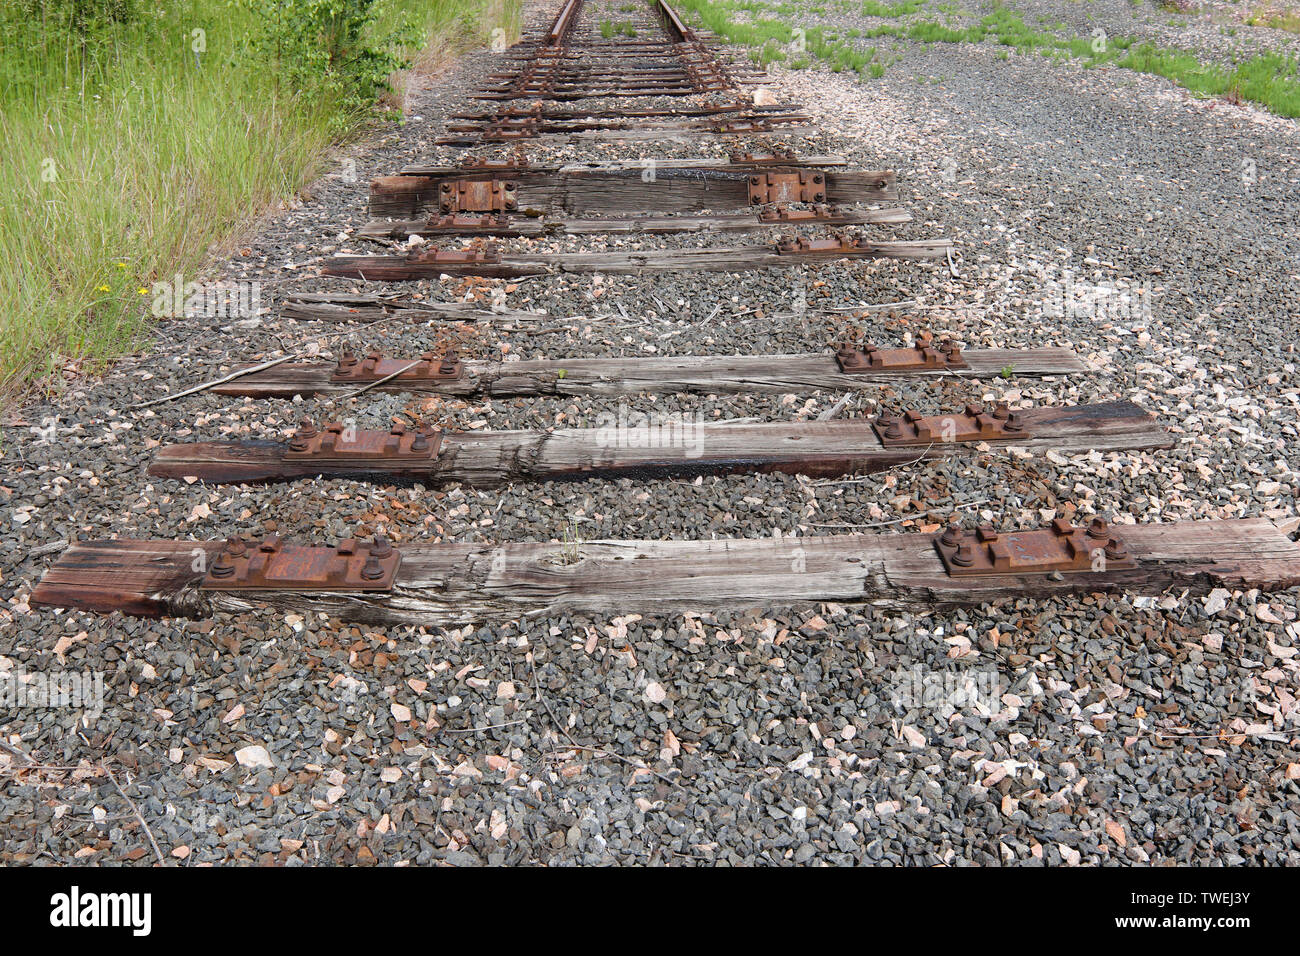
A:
(655, 54)
(576, 80)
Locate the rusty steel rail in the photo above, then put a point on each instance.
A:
(564, 22)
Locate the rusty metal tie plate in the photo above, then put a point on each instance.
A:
(374, 367)
(347, 444)
(477, 195)
(782, 213)
(787, 185)
(816, 247)
(468, 222)
(974, 423)
(946, 355)
(434, 256)
(270, 564)
(1060, 547)
(480, 164)
(778, 157)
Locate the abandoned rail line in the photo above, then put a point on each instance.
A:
(571, 82)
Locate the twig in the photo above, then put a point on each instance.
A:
(378, 381)
(50, 548)
(886, 524)
(836, 408)
(475, 730)
(221, 381)
(138, 815)
(638, 764)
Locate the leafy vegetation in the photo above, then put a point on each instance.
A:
(138, 136)
(1272, 81)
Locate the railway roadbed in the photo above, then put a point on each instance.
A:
(1096, 217)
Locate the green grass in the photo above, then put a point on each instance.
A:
(904, 8)
(609, 29)
(1277, 19)
(125, 162)
(1271, 81)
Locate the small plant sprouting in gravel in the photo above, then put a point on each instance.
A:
(570, 544)
(609, 29)
(1006, 371)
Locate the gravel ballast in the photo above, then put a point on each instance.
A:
(1101, 210)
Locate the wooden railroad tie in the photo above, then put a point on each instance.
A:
(630, 445)
(697, 374)
(459, 583)
(622, 188)
(430, 263)
(492, 224)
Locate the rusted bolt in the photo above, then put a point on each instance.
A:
(380, 547)
(235, 547)
(301, 439)
(348, 362)
(372, 570)
(222, 568)
(1098, 528)
(964, 556)
(1115, 550)
(1013, 423)
(952, 535)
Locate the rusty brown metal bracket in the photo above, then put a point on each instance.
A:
(825, 247)
(782, 213)
(338, 443)
(801, 185)
(923, 355)
(1060, 547)
(435, 256)
(778, 157)
(975, 423)
(270, 564)
(375, 368)
(479, 164)
(508, 130)
(477, 195)
(468, 222)
(743, 126)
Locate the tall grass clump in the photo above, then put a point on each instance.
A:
(139, 136)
